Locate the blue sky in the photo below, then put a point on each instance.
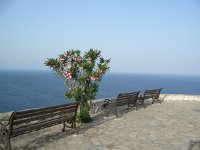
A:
(156, 36)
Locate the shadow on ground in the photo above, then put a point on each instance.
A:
(44, 137)
(38, 139)
(194, 145)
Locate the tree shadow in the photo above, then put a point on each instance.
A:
(194, 145)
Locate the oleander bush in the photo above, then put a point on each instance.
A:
(82, 75)
(84, 115)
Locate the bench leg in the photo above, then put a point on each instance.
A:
(153, 101)
(115, 112)
(136, 106)
(8, 145)
(106, 112)
(143, 104)
(128, 106)
(63, 130)
(156, 100)
(74, 126)
(159, 100)
(4, 137)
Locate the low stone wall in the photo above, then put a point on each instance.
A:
(180, 97)
(97, 105)
(5, 116)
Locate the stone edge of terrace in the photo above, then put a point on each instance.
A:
(97, 103)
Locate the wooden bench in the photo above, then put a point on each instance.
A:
(150, 94)
(129, 99)
(22, 122)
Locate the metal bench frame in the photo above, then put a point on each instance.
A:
(129, 99)
(150, 94)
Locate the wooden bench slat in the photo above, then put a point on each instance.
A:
(38, 126)
(126, 99)
(150, 94)
(20, 115)
(120, 103)
(41, 116)
(45, 108)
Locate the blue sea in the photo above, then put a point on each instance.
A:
(29, 89)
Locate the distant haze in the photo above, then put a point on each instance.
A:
(161, 37)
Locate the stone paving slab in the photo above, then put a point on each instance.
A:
(172, 125)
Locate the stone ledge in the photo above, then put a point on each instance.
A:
(5, 116)
(180, 97)
(98, 103)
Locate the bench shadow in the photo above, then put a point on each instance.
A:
(96, 121)
(42, 140)
(39, 139)
(123, 109)
(147, 103)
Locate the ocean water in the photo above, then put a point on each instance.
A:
(29, 89)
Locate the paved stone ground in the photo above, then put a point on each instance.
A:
(171, 125)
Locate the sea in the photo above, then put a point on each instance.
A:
(21, 90)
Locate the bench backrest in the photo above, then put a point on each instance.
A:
(34, 119)
(127, 98)
(154, 93)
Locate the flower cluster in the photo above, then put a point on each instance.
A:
(77, 59)
(93, 78)
(69, 67)
(62, 60)
(68, 75)
(82, 73)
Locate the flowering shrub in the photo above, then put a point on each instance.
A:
(84, 115)
(82, 74)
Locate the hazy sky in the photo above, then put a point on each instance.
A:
(143, 36)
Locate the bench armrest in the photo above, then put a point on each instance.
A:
(4, 123)
(3, 129)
